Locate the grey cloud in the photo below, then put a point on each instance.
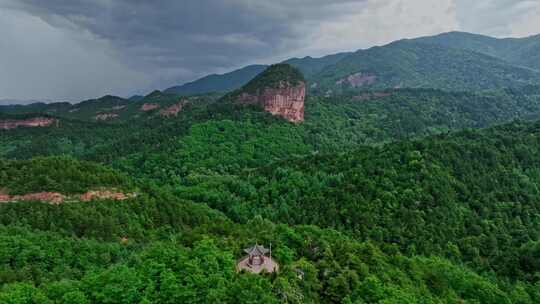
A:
(494, 17)
(183, 39)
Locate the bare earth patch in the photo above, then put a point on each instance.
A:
(30, 122)
(58, 198)
(149, 107)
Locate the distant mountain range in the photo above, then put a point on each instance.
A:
(7, 102)
(218, 83)
(452, 61)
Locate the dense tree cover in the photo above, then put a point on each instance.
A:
(251, 139)
(197, 266)
(451, 218)
(60, 174)
(519, 51)
(331, 124)
(272, 77)
(471, 196)
(412, 64)
(435, 207)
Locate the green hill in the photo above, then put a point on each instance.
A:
(218, 83)
(519, 51)
(470, 196)
(310, 66)
(421, 65)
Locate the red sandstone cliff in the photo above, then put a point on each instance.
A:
(149, 107)
(173, 110)
(285, 100)
(29, 122)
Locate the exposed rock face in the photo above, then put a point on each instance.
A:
(106, 194)
(58, 198)
(149, 107)
(51, 197)
(172, 110)
(105, 116)
(29, 122)
(357, 80)
(286, 101)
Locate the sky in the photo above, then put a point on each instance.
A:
(71, 50)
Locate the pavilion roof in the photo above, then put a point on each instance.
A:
(256, 250)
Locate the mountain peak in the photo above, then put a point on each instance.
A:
(274, 77)
(279, 90)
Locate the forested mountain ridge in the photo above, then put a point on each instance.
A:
(520, 51)
(396, 205)
(411, 64)
(395, 65)
(218, 83)
(470, 196)
(212, 131)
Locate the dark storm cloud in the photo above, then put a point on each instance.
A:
(179, 39)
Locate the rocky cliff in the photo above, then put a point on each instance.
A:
(280, 90)
(7, 124)
(286, 101)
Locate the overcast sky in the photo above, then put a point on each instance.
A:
(73, 50)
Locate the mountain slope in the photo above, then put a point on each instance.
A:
(472, 196)
(237, 78)
(421, 65)
(519, 51)
(310, 66)
(218, 83)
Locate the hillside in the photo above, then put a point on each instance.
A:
(457, 208)
(113, 109)
(452, 60)
(218, 83)
(236, 79)
(310, 66)
(519, 51)
(469, 196)
(419, 65)
(226, 137)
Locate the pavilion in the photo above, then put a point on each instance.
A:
(257, 260)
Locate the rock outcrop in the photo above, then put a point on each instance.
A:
(357, 80)
(149, 107)
(58, 198)
(103, 194)
(286, 100)
(28, 122)
(105, 116)
(50, 197)
(280, 90)
(172, 110)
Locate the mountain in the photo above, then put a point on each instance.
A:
(218, 83)
(8, 102)
(279, 90)
(237, 78)
(519, 51)
(136, 98)
(109, 108)
(452, 61)
(310, 66)
(421, 65)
